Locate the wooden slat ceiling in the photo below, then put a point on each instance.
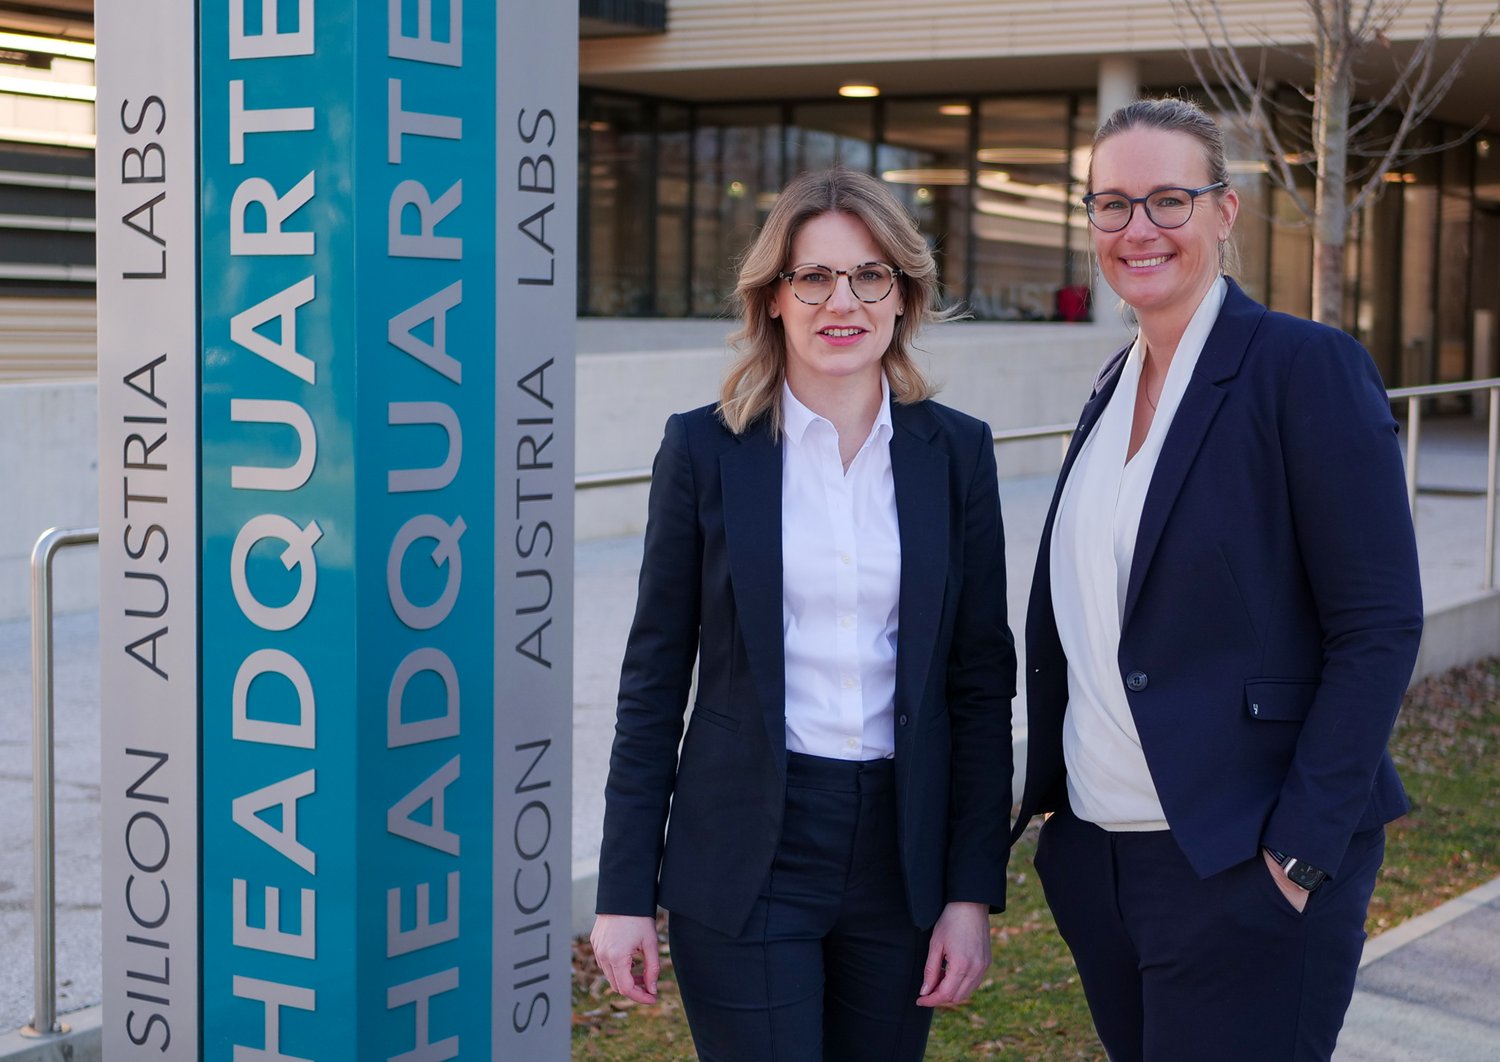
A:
(70, 19)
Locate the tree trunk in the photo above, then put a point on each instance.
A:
(1331, 135)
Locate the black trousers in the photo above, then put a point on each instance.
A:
(828, 967)
(1176, 966)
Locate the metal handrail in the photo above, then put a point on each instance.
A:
(627, 477)
(1413, 397)
(44, 848)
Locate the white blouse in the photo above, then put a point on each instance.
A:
(841, 576)
(1093, 546)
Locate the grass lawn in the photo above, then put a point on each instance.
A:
(1447, 746)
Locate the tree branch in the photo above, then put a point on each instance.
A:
(1240, 94)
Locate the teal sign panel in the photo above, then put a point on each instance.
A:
(347, 160)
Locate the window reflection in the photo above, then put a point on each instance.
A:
(923, 158)
(615, 277)
(822, 134)
(1485, 283)
(1023, 222)
(737, 161)
(1419, 216)
(1455, 217)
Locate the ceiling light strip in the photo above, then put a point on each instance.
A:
(23, 42)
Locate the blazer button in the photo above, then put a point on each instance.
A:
(902, 719)
(1136, 680)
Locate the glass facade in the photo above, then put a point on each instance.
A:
(1029, 242)
(1484, 284)
(737, 168)
(1424, 266)
(671, 194)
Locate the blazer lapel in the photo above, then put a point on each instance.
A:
(1104, 387)
(1219, 361)
(750, 474)
(920, 472)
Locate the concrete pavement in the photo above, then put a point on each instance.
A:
(1428, 988)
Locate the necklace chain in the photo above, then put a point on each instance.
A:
(1146, 386)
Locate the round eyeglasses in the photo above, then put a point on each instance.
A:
(814, 284)
(1168, 208)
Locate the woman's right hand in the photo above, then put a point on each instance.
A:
(616, 940)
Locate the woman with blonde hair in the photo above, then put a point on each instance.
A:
(825, 542)
(1223, 620)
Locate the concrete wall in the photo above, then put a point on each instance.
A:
(1459, 633)
(48, 434)
(631, 376)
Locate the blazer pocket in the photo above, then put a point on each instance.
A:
(1280, 700)
(719, 719)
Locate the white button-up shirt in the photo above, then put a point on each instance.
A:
(1093, 546)
(841, 575)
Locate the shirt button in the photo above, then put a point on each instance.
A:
(846, 622)
(1136, 680)
(844, 558)
(849, 682)
(853, 743)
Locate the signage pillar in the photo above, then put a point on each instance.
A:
(336, 399)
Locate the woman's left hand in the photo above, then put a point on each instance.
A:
(958, 956)
(1295, 894)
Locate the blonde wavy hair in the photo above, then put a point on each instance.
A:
(752, 387)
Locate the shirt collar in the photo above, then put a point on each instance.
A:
(1194, 336)
(796, 418)
(1205, 317)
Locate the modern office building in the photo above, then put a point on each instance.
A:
(979, 112)
(982, 120)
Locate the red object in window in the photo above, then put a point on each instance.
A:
(1073, 303)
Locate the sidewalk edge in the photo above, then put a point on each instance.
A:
(1415, 929)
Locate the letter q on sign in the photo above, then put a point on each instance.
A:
(446, 554)
(298, 554)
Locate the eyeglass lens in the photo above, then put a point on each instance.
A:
(1169, 208)
(870, 282)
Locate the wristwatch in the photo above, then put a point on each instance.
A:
(1303, 875)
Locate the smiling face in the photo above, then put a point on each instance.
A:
(842, 340)
(1162, 274)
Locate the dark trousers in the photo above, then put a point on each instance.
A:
(1176, 966)
(829, 965)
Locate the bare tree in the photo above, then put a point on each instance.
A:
(1320, 124)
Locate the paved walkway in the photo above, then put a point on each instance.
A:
(1426, 992)
(1429, 989)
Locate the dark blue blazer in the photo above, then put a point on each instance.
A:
(711, 588)
(1273, 609)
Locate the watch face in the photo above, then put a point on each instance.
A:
(1308, 877)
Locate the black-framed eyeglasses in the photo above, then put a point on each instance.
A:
(814, 284)
(1168, 208)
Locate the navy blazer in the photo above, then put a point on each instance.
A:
(1273, 610)
(711, 587)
